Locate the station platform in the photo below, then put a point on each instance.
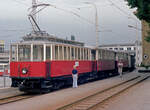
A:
(56, 99)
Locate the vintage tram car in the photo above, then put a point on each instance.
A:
(42, 66)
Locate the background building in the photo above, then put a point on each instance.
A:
(2, 44)
(4, 58)
(129, 48)
(145, 44)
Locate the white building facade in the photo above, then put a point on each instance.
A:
(4, 57)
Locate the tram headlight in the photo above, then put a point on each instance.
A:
(24, 71)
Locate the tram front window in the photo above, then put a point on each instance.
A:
(24, 52)
(38, 53)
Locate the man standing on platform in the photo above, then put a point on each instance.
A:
(75, 77)
(120, 67)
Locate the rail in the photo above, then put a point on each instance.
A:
(15, 98)
(92, 101)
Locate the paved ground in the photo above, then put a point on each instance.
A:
(136, 98)
(56, 99)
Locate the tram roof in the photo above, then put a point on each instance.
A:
(44, 37)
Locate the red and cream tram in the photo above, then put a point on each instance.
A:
(44, 65)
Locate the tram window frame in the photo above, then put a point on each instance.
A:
(13, 54)
(69, 53)
(79, 54)
(56, 52)
(82, 54)
(72, 53)
(65, 53)
(87, 53)
(48, 52)
(76, 53)
(60, 53)
(37, 55)
(84, 51)
(24, 52)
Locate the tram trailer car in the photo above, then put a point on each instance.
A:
(124, 58)
(45, 66)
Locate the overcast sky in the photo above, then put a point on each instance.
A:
(113, 20)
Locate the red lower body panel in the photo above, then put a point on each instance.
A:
(104, 65)
(61, 68)
(35, 69)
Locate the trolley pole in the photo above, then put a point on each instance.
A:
(34, 7)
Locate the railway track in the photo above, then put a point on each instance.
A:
(93, 101)
(15, 98)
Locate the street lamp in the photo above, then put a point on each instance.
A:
(136, 42)
(96, 23)
(96, 27)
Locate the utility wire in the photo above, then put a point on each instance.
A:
(123, 11)
(71, 12)
(21, 2)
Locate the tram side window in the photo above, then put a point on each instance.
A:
(65, 53)
(14, 53)
(86, 54)
(56, 52)
(69, 55)
(105, 55)
(99, 55)
(24, 52)
(76, 53)
(48, 53)
(60, 53)
(79, 54)
(72, 53)
(109, 55)
(113, 56)
(82, 53)
(37, 52)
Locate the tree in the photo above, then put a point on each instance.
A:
(143, 11)
(143, 8)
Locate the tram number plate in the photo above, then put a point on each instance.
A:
(76, 63)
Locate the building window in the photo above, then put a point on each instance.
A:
(121, 48)
(129, 48)
(134, 48)
(1, 49)
(116, 48)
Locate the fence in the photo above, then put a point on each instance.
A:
(5, 81)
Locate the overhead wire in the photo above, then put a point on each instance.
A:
(21, 2)
(120, 9)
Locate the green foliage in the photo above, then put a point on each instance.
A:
(143, 8)
(143, 11)
(145, 66)
(148, 37)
